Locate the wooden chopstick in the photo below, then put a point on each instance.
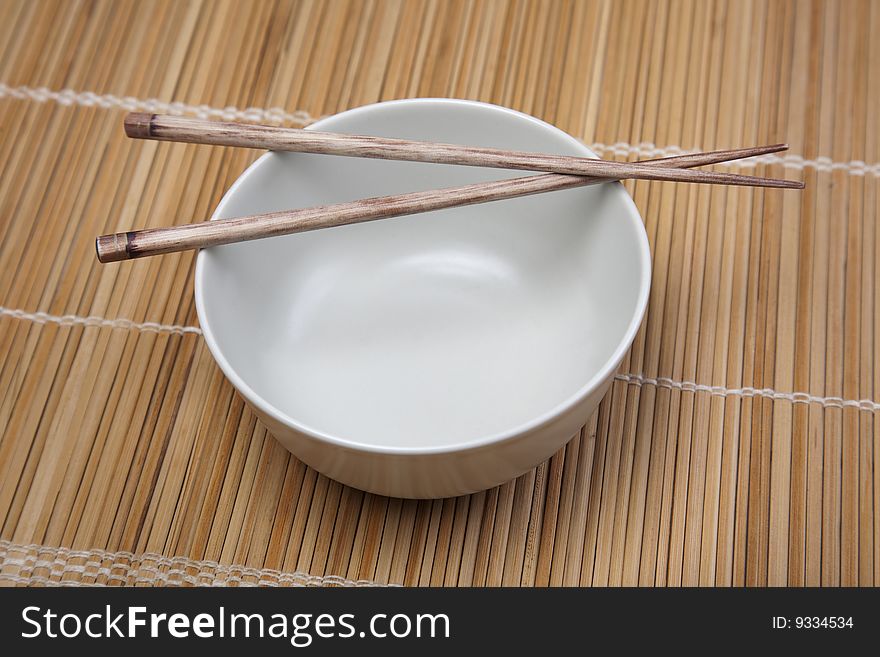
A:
(156, 241)
(198, 131)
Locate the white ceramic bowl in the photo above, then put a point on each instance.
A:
(431, 355)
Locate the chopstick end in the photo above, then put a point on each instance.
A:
(113, 248)
(139, 125)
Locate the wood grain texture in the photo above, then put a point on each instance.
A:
(125, 437)
(203, 234)
(225, 133)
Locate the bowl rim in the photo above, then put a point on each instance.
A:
(595, 381)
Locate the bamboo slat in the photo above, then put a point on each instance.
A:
(739, 444)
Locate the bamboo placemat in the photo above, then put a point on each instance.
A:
(739, 444)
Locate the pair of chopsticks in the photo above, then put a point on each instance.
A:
(565, 173)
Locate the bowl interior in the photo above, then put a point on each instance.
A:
(432, 330)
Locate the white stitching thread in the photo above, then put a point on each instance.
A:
(720, 391)
(74, 320)
(630, 379)
(128, 568)
(276, 115)
(109, 101)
